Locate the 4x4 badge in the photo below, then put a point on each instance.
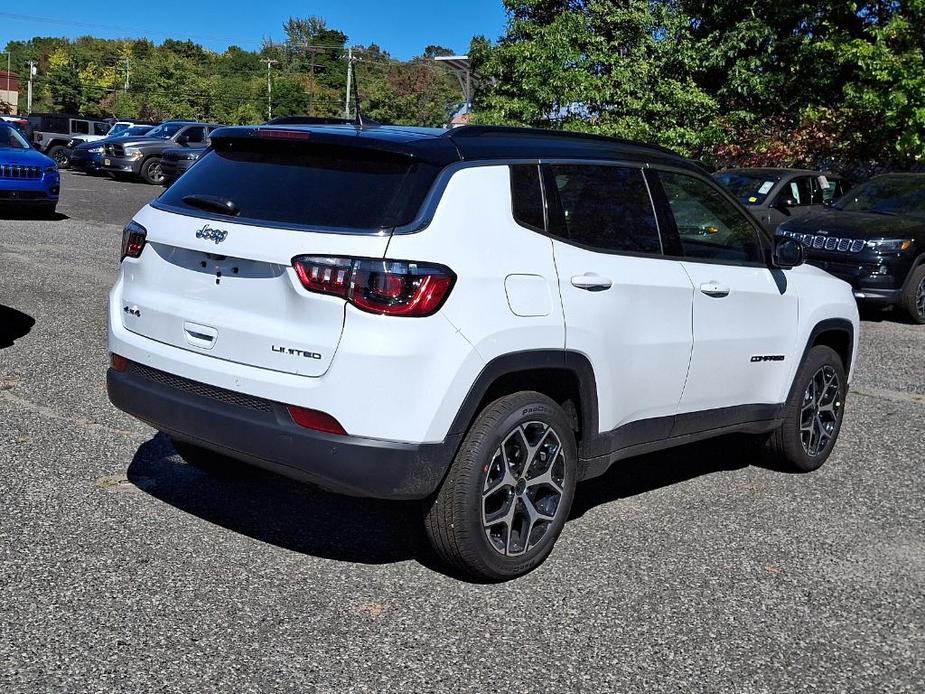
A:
(210, 234)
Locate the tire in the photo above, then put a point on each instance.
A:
(818, 394)
(912, 301)
(511, 449)
(60, 155)
(48, 211)
(203, 459)
(151, 171)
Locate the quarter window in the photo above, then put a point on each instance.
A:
(606, 208)
(710, 227)
(526, 196)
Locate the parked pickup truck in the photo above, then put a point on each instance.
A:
(140, 157)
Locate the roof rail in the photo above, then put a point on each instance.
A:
(515, 131)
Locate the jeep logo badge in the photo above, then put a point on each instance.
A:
(209, 234)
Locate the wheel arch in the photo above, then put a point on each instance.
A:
(566, 377)
(837, 333)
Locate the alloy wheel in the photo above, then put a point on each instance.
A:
(820, 410)
(523, 487)
(157, 175)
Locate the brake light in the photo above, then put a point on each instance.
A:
(386, 287)
(283, 134)
(133, 240)
(313, 419)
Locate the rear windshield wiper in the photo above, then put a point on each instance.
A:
(212, 203)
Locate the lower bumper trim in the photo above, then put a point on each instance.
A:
(269, 439)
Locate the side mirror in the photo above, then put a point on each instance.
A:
(788, 252)
(785, 203)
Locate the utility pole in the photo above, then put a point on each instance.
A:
(32, 72)
(269, 62)
(126, 74)
(349, 80)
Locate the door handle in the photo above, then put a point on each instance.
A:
(592, 282)
(714, 289)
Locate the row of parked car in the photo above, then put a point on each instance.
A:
(871, 235)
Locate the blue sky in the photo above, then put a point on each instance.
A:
(402, 28)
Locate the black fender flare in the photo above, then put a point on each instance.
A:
(842, 325)
(529, 360)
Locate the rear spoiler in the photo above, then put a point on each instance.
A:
(433, 150)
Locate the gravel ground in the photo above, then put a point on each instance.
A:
(698, 570)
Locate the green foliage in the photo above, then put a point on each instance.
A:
(730, 80)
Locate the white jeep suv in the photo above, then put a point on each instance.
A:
(479, 318)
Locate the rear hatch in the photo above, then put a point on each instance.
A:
(222, 283)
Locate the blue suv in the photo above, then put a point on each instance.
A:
(28, 178)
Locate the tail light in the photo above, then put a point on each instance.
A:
(133, 240)
(387, 287)
(118, 362)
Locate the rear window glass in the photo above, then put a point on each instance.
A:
(312, 185)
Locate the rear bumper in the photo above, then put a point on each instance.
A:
(260, 432)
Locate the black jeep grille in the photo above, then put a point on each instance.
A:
(828, 243)
(19, 171)
(203, 390)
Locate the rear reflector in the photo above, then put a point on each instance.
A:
(118, 362)
(386, 287)
(313, 419)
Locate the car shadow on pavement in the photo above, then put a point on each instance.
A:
(305, 519)
(283, 512)
(13, 325)
(31, 215)
(646, 473)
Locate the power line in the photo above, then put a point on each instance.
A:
(110, 27)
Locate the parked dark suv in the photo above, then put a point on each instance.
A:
(873, 238)
(141, 156)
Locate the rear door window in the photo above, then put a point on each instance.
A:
(604, 208)
(80, 127)
(277, 183)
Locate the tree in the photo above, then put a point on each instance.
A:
(621, 68)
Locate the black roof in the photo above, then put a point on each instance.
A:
(472, 142)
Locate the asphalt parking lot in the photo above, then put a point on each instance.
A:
(697, 570)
